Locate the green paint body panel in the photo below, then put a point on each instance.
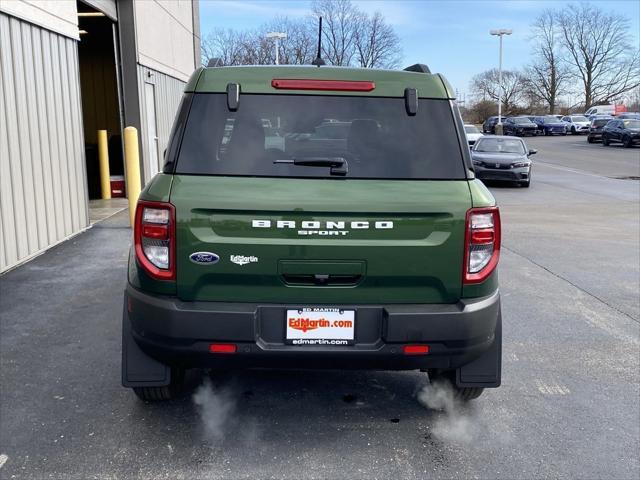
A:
(419, 260)
(257, 79)
(480, 194)
(158, 189)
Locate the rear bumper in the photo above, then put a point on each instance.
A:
(178, 333)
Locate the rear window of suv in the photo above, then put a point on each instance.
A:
(374, 135)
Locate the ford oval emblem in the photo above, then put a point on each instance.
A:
(204, 258)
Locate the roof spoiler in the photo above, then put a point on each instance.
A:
(418, 67)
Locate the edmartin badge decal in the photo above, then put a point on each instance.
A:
(243, 259)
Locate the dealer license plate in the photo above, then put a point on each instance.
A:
(320, 326)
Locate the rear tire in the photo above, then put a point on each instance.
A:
(463, 394)
(626, 142)
(590, 139)
(573, 131)
(160, 394)
(605, 141)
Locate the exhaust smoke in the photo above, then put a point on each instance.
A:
(455, 425)
(217, 410)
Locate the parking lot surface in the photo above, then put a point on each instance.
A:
(568, 407)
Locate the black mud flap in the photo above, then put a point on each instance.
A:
(138, 368)
(486, 370)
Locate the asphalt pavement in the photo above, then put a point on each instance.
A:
(569, 406)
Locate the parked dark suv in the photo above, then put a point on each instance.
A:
(520, 126)
(489, 125)
(314, 218)
(625, 131)
(595, 130)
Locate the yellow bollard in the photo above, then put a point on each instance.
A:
(132, 164)
(103, 156)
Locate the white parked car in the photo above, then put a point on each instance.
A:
(577, 124)
(473, 134)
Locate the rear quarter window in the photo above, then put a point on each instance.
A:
(375, 135)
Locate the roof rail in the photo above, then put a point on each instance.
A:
(215, 62)
(418, 67)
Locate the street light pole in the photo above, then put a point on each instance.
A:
(277, 36)
(500, 85)
(500, 33)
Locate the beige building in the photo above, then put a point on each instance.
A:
(67, 69)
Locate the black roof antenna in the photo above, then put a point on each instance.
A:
(319, 61)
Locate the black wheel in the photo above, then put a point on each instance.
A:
(626, 142)
(573, 131)
(448, 377)
(605, 141)
(590, 139)
(159, 394)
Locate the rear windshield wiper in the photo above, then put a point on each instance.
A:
(339, 165)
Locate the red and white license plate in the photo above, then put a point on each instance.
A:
(320, 326)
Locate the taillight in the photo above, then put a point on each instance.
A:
(481, 244)
(155, 239)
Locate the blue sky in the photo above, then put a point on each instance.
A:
(452, 37)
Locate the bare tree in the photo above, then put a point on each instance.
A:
(599, 52)
(227, 45)
(258, 50)
(548, 73)
(376, 44)
(340, 19)
(485, 86)
(632, 99)
(479, 111)
(299, 48)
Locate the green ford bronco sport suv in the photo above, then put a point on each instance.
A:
(314, 217)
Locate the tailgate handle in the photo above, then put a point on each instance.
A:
(322, 273)
(322, 280)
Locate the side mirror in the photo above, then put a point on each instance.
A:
(533, 151)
